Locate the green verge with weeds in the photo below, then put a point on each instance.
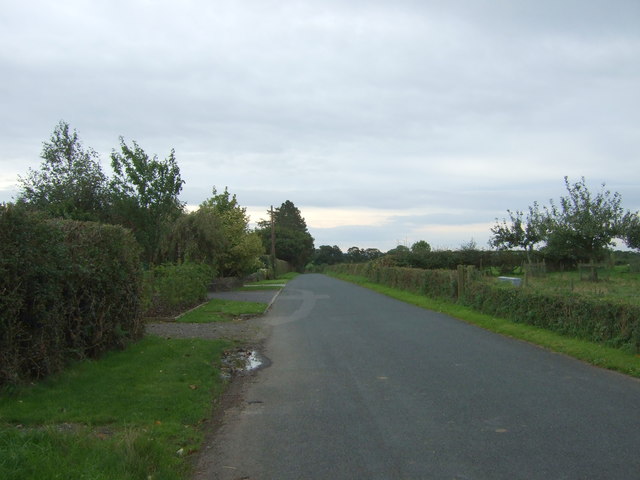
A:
(598, 355)
(219, 310)
(134, 414)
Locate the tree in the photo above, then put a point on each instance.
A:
(145, 195)
(241, 249)
(70, 182)
(328, 255)
(522, 232)
(583, 226)
(631, 224)
(293, 242)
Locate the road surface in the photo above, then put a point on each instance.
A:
(362, 386)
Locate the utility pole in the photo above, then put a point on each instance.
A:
(273, 244)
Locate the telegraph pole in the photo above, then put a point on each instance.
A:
(273, 244)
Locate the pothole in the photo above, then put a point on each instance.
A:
(240, 361)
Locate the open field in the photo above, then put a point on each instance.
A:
(615, 285)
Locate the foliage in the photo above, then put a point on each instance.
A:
(68, 289)
(70, 183)
(241, 249)
(171, 288)
(293, 242)
(145, 195)
(433, 283)
(328, 255)
(195, 237)
(358, 255)
(611, 323)
(124, 416)
(581, 227)
(522, 232)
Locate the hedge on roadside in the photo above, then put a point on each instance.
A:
(171, 288)
(613, 324)
(68, 290)
(432, 283)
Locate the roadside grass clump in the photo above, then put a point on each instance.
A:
(596, 354)
(220, 310)
(134, 414)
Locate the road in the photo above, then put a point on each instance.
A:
(362, 386)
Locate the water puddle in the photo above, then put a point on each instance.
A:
(240, 361)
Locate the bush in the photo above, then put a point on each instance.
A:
(171, 288)
(68, 290)
(613, 324)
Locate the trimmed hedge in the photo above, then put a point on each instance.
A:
(68, 290)
(432, 283)
(613, 324)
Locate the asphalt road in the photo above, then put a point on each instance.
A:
(362, 386)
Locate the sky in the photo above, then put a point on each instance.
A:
(384, 122)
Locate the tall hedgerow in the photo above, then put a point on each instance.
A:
(68, 290)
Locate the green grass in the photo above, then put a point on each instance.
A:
(219, 310)
(592, 353)
(123, 417)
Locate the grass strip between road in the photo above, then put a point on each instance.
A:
(133, 414)
(219, 310)
(595, 354)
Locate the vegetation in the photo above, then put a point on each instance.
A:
(69, 290)
(293, 242)
(581, 227)
(219, 310)
(172, 288)
(134, 414)
(145, 195)
(70, 183)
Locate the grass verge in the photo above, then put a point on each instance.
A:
(598, 355)
(219, 310)
(134, 414)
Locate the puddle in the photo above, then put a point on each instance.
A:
(240, 361)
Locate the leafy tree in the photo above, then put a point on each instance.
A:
(328, 255)
(521, 232)
(241, 249)
(582, 226)
(70, 182)
(195, 237)
(420, 252)
(145, 195)
(631, 235)
(421, 247)
(293, 242)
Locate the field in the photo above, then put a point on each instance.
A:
(617, 285)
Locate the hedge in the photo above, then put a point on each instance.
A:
(172, 288)
(432, 283)
(68, 290)
(613, 324)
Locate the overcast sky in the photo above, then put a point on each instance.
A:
(384, 122)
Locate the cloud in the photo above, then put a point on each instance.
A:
(372, 117)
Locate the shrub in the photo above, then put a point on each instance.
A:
(170, 288)
(68, 290)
